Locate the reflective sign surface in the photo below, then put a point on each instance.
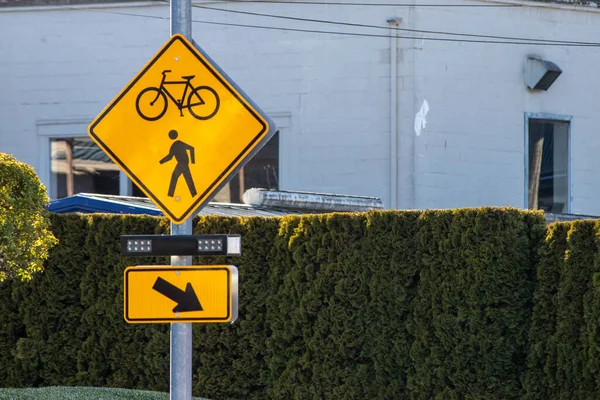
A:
(161, 294)
(181, 129)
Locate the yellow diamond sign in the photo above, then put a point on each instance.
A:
(181, 129)
(162, 293)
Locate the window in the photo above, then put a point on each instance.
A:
(262, 171)
(548, 165)
(72, 163)
(77, 165)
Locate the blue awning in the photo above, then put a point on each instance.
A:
(101, 203)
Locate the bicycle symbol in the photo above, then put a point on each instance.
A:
(202, 102)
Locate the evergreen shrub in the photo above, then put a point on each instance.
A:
(444, 304)
(564, 350)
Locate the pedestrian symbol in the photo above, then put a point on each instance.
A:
(181, 129)
(179, 150)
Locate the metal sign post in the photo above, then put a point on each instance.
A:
(180, 386)
(181, 18)
(180, 171)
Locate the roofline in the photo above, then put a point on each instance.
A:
(83, 6)
(151, 3)
(91, 5)
(545, 4)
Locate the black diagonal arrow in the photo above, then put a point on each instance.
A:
(186, 301)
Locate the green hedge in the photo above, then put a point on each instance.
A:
(447, 304)
(564, 357)
(471, 313)
(338, 318)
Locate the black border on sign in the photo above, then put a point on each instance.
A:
(170, 269)
(228, 170)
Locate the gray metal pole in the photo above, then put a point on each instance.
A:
(181, 18)
(181, 335)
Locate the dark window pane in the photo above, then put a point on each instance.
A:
(136, 191)
(260, 172)
(548, 165)
(77, 165)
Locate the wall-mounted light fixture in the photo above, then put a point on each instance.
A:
(540, 74)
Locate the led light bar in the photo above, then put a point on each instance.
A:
(138, 245)
(210, 245)
(181, 245)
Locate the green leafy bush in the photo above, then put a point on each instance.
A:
(24, 235)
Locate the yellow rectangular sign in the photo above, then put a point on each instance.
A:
(164, 293)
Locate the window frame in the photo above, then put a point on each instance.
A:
(549, 117)
(65, 128)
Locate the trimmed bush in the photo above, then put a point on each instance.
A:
(563, 356)
(447, 304)
(317, 315)
(50, 309)
(114, 353)
(539, 377)
(390, 252)
(230, 360)
(471, 311)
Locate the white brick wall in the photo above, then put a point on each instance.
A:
(472, 151)
(68, 64)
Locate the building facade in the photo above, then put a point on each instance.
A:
(424, 104)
